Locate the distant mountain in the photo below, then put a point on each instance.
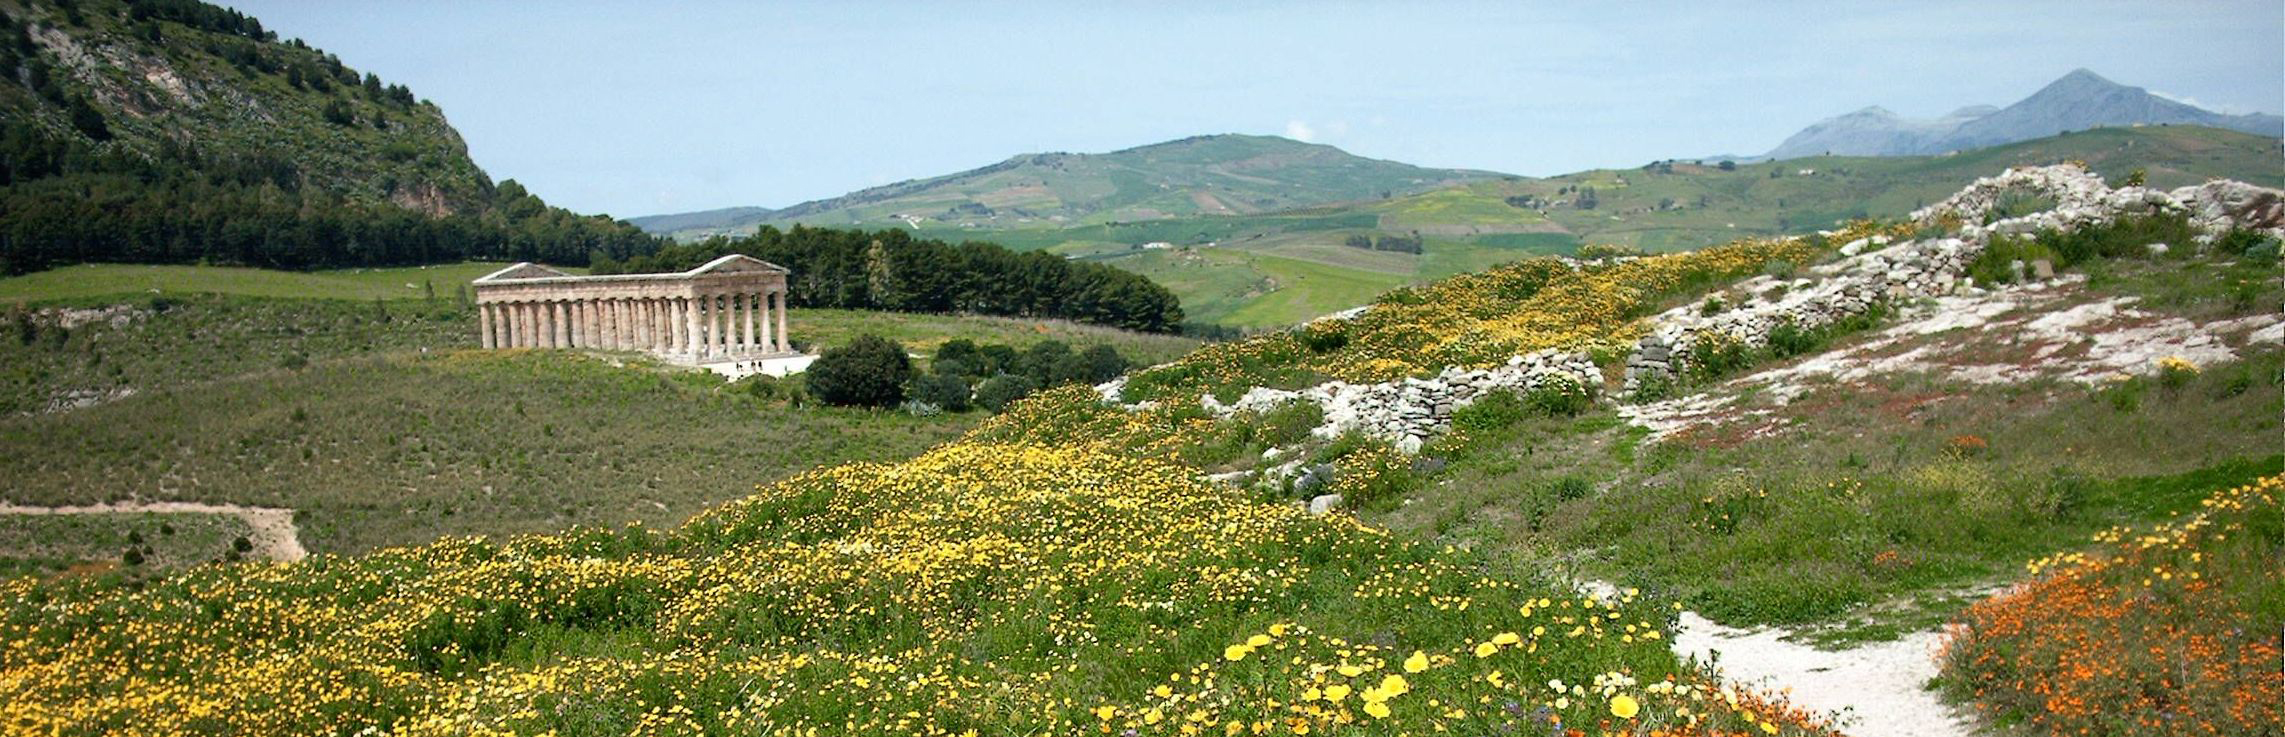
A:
(1203, 175)
(722, 219)
(2078, 101)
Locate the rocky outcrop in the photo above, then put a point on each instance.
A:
(1409, 411)
(1875, 269)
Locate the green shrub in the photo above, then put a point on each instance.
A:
(1494, 410)
(1788, 339)
(2126, 237)
(870, 371)
(2261, 254)
(1289, 424)
(998, 392)
(1716, 355)
(1561, 396)
(947, 392)
(1992, 266)
(2239, 240)
(961, 350)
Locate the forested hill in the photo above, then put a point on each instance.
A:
(177, 131)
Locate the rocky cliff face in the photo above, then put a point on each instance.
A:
(198, 82)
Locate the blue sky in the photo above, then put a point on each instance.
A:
(635, 108)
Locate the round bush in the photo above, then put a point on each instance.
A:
(997, 392)
(947, 391)
(870, 371)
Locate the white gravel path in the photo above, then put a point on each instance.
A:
(1878, 689)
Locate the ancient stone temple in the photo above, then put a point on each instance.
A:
(731, 308)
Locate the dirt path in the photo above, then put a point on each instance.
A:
(275, 537)
(1879, 686)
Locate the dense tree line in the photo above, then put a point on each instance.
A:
(872, 371)
(891, 270)
(63, 201)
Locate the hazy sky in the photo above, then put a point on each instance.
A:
(636, 108)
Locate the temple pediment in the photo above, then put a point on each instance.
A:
(738, 263)
(524, 270)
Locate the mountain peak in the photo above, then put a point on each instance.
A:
(2075, 101)
(2079, 83)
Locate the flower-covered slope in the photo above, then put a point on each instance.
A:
(981, 588)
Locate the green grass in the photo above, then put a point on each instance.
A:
(402, 448)
(46, 544)
(406, 433)
(1863, 514)
(75, 283)
(176, 344)
(1250, 288)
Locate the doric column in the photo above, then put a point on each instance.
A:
(595, 325)
(606, 329)
(785, 343)
(642, 324)
(504, 314)
(678, 316)
(618, 324)
(662, 329)
(768, 329)
(484, 326)
(719, 324)
(534, 326)
(559, 316)
(702, 317)
(574, 327)
(689, 317)
(520, 320)
(750, 304)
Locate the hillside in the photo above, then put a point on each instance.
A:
(168, 74)
(1523, 499)
(1281, 268)
(707, 221)
(1203, 175)
(250, 389)
(177, 131)
(2077, 101)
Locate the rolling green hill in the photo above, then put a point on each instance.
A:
(1268, 269)
(1198, 176)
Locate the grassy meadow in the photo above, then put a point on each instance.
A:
(92, 281)
(381, 425)
(37, 544)
(402, 448)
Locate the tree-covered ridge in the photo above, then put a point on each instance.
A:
(176, 131)
(891, 270)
